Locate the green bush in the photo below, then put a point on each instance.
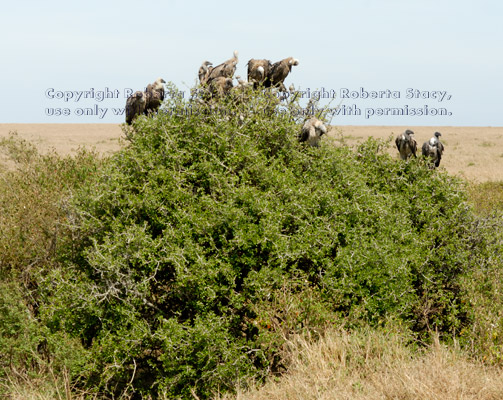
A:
(214, 235)
(27, 346)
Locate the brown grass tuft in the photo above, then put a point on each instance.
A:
(487, 197)
(375, 365)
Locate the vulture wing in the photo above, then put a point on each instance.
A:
(398, 142)
(307, 130)
(426, 149)
(413, 146)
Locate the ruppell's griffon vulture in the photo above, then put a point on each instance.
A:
(135, 105)
(155, 95)
(226, 69)
(406, 144)
(204, 71)
(279, 71)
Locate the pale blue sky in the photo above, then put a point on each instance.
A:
(442, 45)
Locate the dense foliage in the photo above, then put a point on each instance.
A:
(191, 254)
(196, 228)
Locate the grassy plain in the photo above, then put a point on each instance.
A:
(475, 153)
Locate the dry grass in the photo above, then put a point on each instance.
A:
(376, 365)
(474, 153)
(50, 387)
(66, 139)
(487, 197)
(368, 365)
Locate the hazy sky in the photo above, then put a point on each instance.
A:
(450, 49)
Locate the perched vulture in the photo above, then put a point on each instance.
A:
(406, 145)
(226, 69)
(220, 86)
(433, 148)
(135, 105)
(155, 95)
(204, 71)
(258, 71)
(279, 71)
(312, 130)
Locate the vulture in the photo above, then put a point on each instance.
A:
(135, 105)
(279, 71)
(258, 71)
(220, 86)
(433, 148)
(204, 71)
(406, 145)
(226, 69)
(155, 95)
(311, 131)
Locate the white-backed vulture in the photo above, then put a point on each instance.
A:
(312, 131)
(226, 69)
(155, 95)
(434, 149)
(258, 71)
(135, 105)
(406, 144)
(279, 71)
(204, 71)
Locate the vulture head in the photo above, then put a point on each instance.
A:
(135, 105)
(158, 84)
(435, 139)
(206, 64)
(280, 70)
(204, 71)
(235, 58)
(292, 61)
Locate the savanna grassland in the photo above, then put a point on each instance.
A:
(475, 153)
(217, 257)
